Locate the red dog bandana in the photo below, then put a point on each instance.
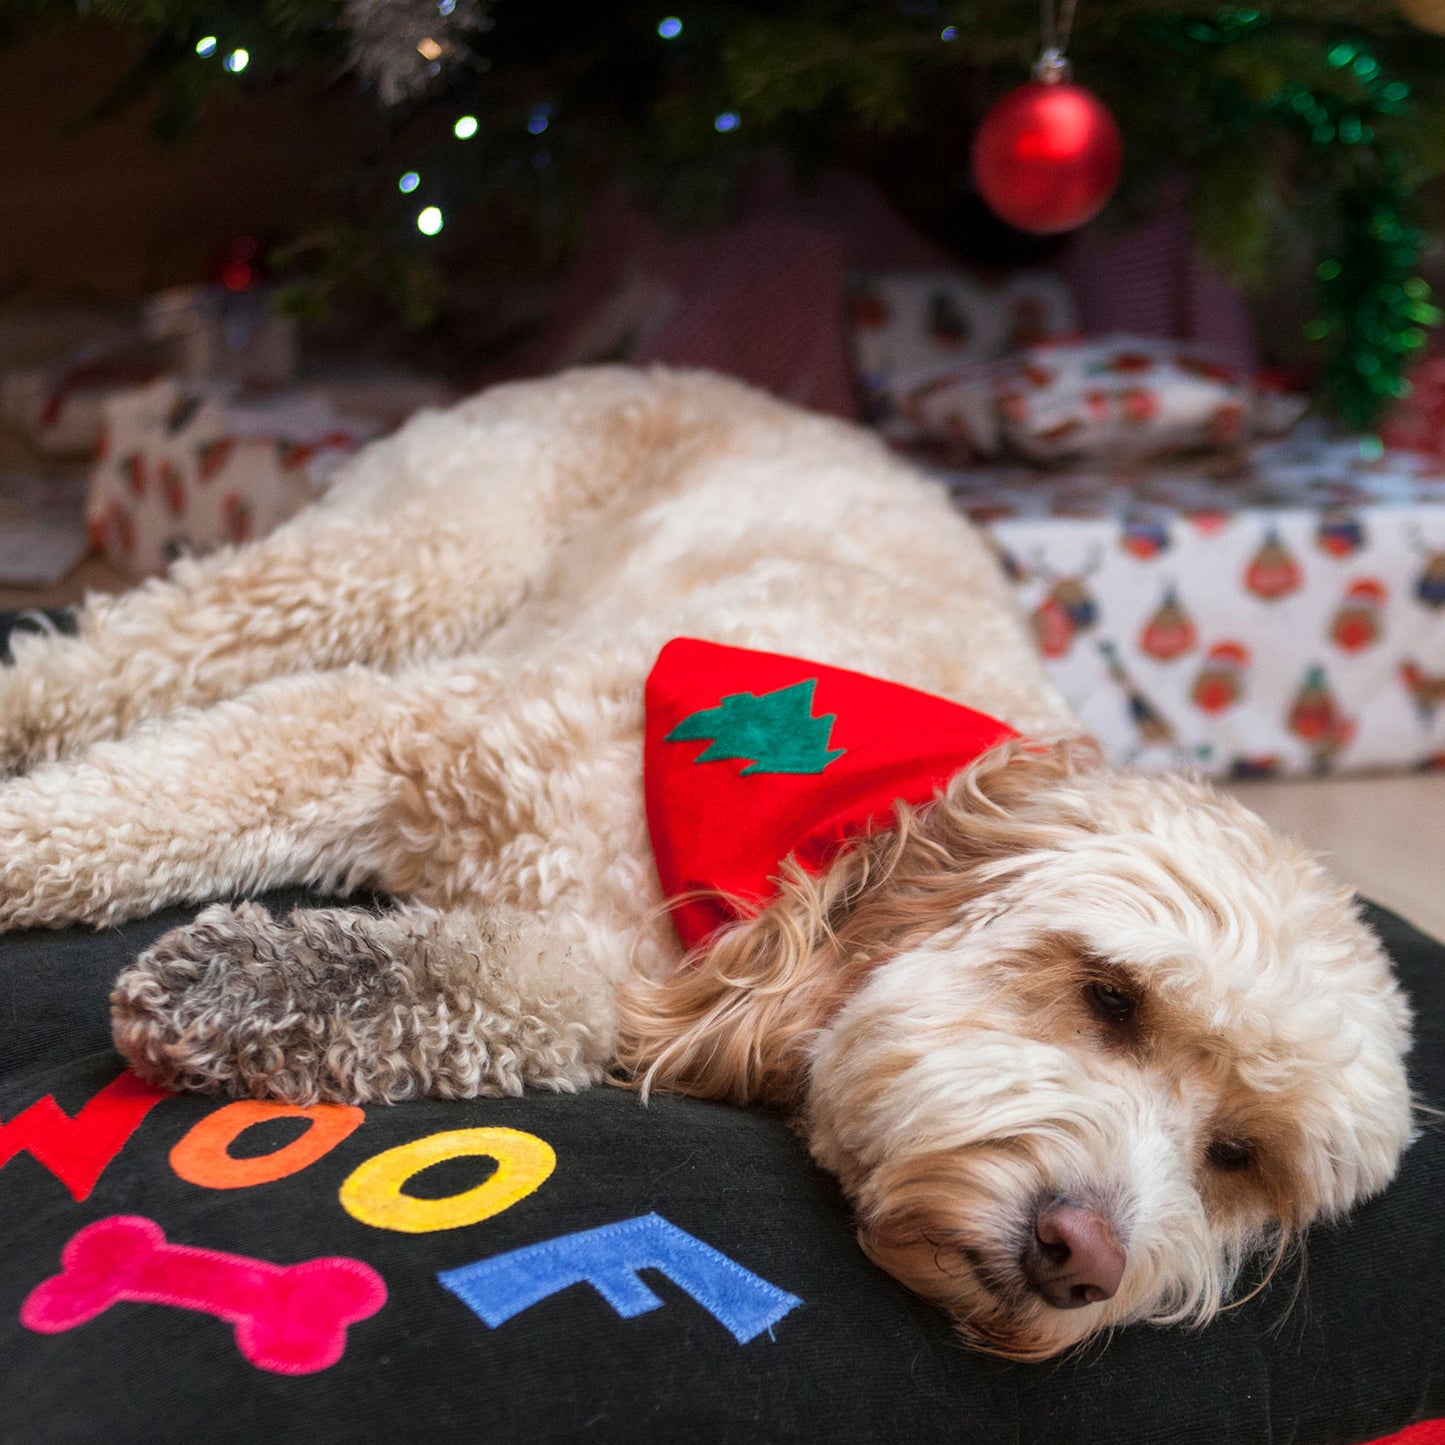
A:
(750, 756)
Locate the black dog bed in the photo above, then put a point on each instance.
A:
(598, 1271)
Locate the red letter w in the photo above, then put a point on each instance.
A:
(77, 1150)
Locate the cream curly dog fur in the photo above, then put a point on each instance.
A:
(1075, 1044)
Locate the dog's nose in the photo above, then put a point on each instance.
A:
(1074, 1258)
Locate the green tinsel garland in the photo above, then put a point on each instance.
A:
(1374, 305)
(1372, 299)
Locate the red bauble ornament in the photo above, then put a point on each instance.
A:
(1047, 156)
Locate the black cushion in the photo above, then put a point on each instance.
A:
(1347, 1350)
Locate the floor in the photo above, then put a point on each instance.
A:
(1384, 835)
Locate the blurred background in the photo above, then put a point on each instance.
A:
(420, 173)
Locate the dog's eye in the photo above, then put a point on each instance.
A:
(1112, 1004)
(1230, 1156)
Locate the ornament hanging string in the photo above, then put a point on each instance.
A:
(1056, 36)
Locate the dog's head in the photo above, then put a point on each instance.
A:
(1077, 1045)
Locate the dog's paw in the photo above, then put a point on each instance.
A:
(332, 1004)
(206, 1008)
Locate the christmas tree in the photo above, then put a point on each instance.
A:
(1309, 130)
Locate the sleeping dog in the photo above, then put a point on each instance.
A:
(697, 739)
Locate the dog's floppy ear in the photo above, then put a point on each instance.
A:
(735, 1020)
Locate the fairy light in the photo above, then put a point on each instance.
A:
(949, 33)
(408, 183)
(429, 220)
(237, 61)
(670, 27)
(465, 127)
(206, 46)
(729, 120)
(540, 119)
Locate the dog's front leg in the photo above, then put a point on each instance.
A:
(328, 591)
(365, 1007)
(282, 785)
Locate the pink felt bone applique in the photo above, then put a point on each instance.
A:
(290, 1319)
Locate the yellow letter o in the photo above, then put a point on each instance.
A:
(372, 1191)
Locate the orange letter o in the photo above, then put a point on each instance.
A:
(201, 1157)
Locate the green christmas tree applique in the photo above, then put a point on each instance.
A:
(775, 731)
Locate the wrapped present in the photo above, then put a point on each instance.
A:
(1101, 398)
(56, 394)
(910, 330)
(1285, 618)
(58, 364)
(61, 408)
(182, 471)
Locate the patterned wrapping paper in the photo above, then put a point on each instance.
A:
(1111, 397)
(1288, 618)
(180, 470)
(912, 333)
(980, 370)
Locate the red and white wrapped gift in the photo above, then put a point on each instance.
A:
(1097, 398)
(181, 471)
(1284, 617)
